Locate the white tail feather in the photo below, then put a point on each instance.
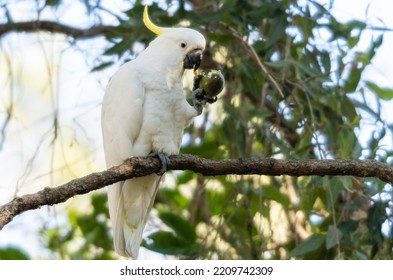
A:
(129, 205)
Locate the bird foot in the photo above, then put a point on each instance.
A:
(198, 100)
(164, 162)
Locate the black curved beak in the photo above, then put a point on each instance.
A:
(193, 60)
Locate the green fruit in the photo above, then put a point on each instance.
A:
(212, 83)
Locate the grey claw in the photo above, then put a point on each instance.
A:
(164, 162)
(198, 100)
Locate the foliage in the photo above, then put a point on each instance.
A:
(316, 63)
(11, 253)
(87, 236)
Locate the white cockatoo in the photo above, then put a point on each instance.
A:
(144, 111)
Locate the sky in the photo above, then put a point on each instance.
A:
(65, 87)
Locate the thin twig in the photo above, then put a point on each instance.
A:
(255, 56)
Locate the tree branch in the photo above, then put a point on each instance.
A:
(55, 27)
(141, 166)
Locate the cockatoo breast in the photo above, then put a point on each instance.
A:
(166, 113)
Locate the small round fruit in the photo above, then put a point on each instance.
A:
(212, 83)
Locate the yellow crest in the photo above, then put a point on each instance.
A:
(151, 26)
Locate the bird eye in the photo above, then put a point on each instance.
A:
(183, 45)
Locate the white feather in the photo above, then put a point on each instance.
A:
(144, 110)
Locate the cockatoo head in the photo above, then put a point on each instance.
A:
(180, 47)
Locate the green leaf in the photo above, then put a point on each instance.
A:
(207, 149)
(334, 187)
(347, 108)
(325, 61)
(356, 24)
(167, 243)
(353, 79)
(183, 229)
(12, 253)
(347, 141)
(219, 200)
(312, 243)
(52, 3)
(273, 193)
(173, 197)
(119, 48)
(94, 225)
(185, 177)
(382, 92)
(361, 255)
(102, 66)
(333, 237)
(372, 50)
(366, 108)
(312, 193)
(375, 219)
(277, 30)
(99, 202)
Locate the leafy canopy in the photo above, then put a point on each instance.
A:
(265, 49)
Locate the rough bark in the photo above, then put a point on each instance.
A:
(141, 166)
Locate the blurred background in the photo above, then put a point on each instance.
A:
(330, 98)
